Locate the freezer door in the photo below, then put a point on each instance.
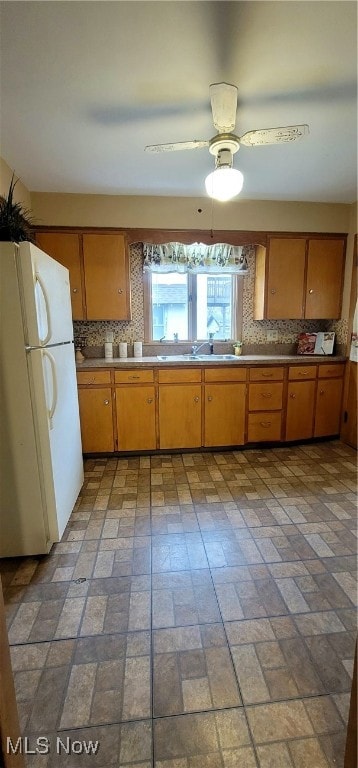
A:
(45, 296)
(55, 405)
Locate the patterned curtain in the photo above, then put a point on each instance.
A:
(198, 257)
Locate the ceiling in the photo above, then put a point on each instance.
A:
(85, 86)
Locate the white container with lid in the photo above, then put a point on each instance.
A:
(138, 349)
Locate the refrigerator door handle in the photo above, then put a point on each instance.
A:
(41, 283)
(51, 410)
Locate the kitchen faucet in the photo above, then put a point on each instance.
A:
(195, 348)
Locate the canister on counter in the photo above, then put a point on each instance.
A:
(138, 349)
(123, 349)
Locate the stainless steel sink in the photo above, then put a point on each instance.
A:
(194, 358)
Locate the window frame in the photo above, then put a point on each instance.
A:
(237, 290)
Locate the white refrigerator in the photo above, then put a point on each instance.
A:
(41, 465)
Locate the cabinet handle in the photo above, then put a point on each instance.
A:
(106, 402)
(265, 423)
(120, 290)
(310, 290)
(292, 395)
(149, 400)
(74, 290)
(266, 394)
(134, 377)
(273, 290)
(267, 375)
(210, 398)
(196, 399)
(303, 373)
(321, 391)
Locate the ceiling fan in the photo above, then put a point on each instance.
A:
(224, 145)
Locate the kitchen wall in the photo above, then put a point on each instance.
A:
(183, 213)
(196, 213)
(254, 332)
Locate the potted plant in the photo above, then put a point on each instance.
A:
(15, 220)
(237, 347)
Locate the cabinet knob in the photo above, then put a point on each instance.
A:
(310, 290)
(321, 391)
(303, 373)
(196, 399)
(267, 375)
(210, 398)
(106, 402)
(74, 290)
(134, 377)
(266, 394)
(273, 290)
(120, 290)
(149, 400)
(265, 423)
(292, 395)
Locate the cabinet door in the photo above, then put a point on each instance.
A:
(65, 248)
(136, 417)
(179, 415)
(324, 279)
(300, 410)
(96, 416)
(328, 407)
(106, 270)
(285, 278)
(224, 422)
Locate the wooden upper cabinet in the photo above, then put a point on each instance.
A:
(65, 248)
(106, 268)
(299, 278)
(279, 283)
(285, 278)
(325, 270)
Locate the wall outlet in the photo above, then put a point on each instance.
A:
(272, 335)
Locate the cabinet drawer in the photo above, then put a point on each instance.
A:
(93, 377)
(265, 396)
(299, 372)
(179, 375)
(225, 374)
(264, 426)
(134, 376)
(266, 374)
(334, 370)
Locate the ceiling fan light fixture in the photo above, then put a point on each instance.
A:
(225, 182)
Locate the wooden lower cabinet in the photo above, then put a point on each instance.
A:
(264, 426)
(179, 415)
(135, 409)
(300, 409)
(224, 414)
(144, 410)
(328, 407)
(96, 416)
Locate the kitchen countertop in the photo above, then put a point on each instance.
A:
(150, 362)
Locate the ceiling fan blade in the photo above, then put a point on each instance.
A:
(224, 105)
(176, 146)
(274, 135)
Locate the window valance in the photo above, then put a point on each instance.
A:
(197, 257)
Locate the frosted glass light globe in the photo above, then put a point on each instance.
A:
(224, 183)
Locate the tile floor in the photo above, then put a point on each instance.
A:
(199, 613)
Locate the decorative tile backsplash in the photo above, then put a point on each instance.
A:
(254, 332)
